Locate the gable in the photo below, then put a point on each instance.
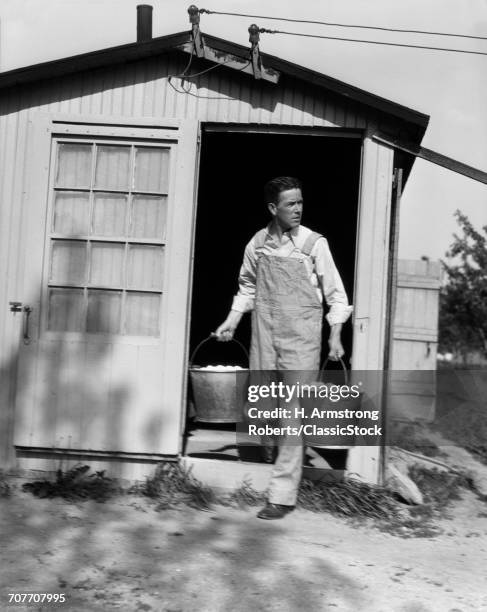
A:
(319, 99)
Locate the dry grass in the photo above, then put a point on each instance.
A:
(173, 485)
(439, 488)
(246, 496)
(5, 487)
(76, 484)
(349, 498)
(413, 437)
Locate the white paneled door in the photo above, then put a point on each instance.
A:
(107, 277)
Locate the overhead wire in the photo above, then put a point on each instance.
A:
(343, 25)
(186, 68)
(371, 42)
(188, 77)
(184, 75)
(190, 93)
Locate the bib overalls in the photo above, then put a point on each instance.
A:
(286, 336)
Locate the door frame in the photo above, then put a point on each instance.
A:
(371, 263)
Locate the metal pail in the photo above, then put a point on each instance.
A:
(324, 405)
(218, 393)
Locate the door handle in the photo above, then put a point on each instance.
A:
(27, 312)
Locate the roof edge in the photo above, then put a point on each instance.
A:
(322, 80)
(136, 50)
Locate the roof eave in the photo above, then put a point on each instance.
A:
(94, 59)
(135, 51)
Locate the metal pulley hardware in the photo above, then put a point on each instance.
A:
(194, 19)
(254, 37)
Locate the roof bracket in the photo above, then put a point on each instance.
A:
(254, 36)
(198, 42)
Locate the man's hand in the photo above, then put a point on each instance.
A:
(224, 333)
(335, 344)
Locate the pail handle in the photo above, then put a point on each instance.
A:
(212, 335)
(345, 371)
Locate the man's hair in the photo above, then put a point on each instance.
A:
(273, 188)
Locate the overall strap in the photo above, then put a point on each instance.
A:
(310, 243)
(259, 238)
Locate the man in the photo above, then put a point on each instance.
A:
(286, 274)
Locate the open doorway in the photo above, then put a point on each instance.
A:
(234, 167)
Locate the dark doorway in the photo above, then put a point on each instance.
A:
(234, 166)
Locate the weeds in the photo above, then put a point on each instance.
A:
(439, 488)
(350, 498)
(173, 485)
(410, 439)
(360, 502)
(246, 495)
(76, 484)
(5, 488)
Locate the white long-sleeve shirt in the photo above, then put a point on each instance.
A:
(321, 268)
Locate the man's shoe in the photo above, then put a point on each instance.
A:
(274, 511)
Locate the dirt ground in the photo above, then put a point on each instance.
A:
(125, 555)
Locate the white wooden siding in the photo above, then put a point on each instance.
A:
(142, 89)
(416, 317)
(139, 93)
(412, 394)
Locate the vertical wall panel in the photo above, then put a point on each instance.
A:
(298, 102)
(12, 252)
(97, 88)
(139, 89)
(148, 96)
(234, 106)
(318, 110)
(308, 107)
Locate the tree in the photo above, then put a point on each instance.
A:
(463, 299)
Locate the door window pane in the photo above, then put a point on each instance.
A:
(74, 165)
(109, 214)
(151, 169)
(142, 314)
(71, 213)
(148, 219)
(112, 167)
(145, 267)
(68, 262)
(66, 310)
(104, 311)
(109, 218)
(106, 264)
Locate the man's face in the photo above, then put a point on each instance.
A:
(288, 209)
